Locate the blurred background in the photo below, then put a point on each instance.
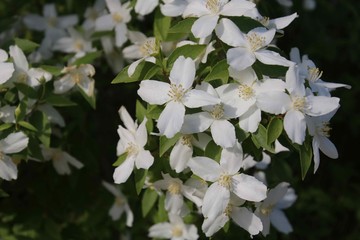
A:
(43, 205)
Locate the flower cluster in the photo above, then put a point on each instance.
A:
(218, 99)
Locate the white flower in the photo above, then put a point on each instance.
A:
(174, 201)
(242, 216)
(23, 73)
(173, 8)
(296, 106)
(120, 205)
(53, 115)
(209, 12)
(143, 49)
(175, 229)
(92, 13)
(7, 114)
(76, 75)
(61, 160)
(6, 68)
(248, 47)
(113, 57)
(78, 43)
(226, 179)
(117, 19)
(132, 142)
(319, 128)
(270, 210)
(13, 143)
(144, 7)
(183, 150)
(214, 116)
(308, 71)
(242, 96)
(175, 95)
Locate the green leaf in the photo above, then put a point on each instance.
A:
(306, 155)
(154, 111)
(161, 215)
(161, 25)
(26, 90)
(213, 151)
(26, 45)
(20, 111)
(183, 26)
(246, 23)
(5, 126)
(59, 101)
(272, 71)
(274, 129)
(41, 122)
(27, 125)
(34, 149)
(3, 194)
(120, 159)
(192, 51)
(148, 200)
(141, 114)
(219, 71)
(166, 143)
(145, 70)
(55, 71)
(90, 99)
(140, 176)
(88, 58)
(241, 135)
(260, 139)
(11, 95)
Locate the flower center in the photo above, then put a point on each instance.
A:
(22, 77)
(149, 47)
(92, 14)
(255, 41)
(325, 129)
(57, 155)
(132, 149)
(174, 188)
(177, 231)
(217, 112)
(52, 21)
(186, 140)
(225, 181)
(245, 92)
(266, 210)
(264, 21)
(299, 104)
(119, 201)
(117, 17)
(214, 6)
(176, 92)
(228, 210)
(314, 74)
(76, 77)
(79, 45)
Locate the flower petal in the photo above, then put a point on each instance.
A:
(8, 169)
(327, 147)
(183, 72)
(206, 168)
(204, 26)
(247, 220)
(123, 172)
(275, 102)
(295, 126)
(171, 119)
(216, 200)
(196, 123)
(197, 98)
(223, 133)
(230, 34)
(179, 156)
(232, 159)
(237, 8)
(211, 226)
(280, 221)
(154, 92)
(240, 58)
(14, 142)
(144, 159)
(248, 188)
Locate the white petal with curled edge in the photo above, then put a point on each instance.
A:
(230, 34)
(120, 34)
(216, 200)
(171, 119)
(275, 102)
(321, 105)
(247, 220)
(6, 71)
(204, 26)
(240, 58)
(161, 230)
(232, 159)
(144, 159)
(133, 66)
(248, 188)
(196, 123)
(280, 221)
(127, 119)
(206, 168)
(19, 58)
(8, 169)
(271, 58)
(145, 7)
(282, 22)
(327, 147)
(211, 226)
(183, 72)
(223, 133)
(14, 142)
(154, 92)
(236, 8)
(295, 126)
(179, 156)
(123, 172)
(316, 153)
(197, 98)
